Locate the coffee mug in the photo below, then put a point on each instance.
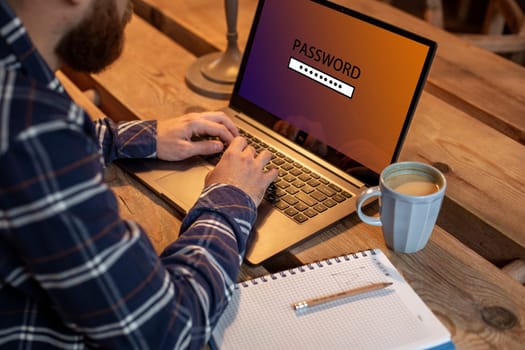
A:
(410, 196)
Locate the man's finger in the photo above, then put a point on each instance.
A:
(210, 128)
(221, 118)
(206, 147)
(238, 144)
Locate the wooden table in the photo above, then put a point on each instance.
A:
(459, 285)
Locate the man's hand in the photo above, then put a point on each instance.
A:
(174, 135)
(240, 166)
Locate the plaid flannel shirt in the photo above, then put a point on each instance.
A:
(73, 274)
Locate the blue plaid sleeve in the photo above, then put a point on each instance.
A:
(131, 139)
(73, 273)
(72, 268)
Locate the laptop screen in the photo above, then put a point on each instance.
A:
(337, 82)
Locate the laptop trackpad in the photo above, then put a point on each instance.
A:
(183, 186)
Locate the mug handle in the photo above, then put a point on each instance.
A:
(363, 196)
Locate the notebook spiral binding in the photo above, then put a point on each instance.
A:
(310, 266)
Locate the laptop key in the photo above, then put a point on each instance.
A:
(334, 187)
(279, 192)
(314, 183)
(338, 198)
(281, 205)
(300, 218)
(326, 190)
(347, 194)
(296, 172)
(289, 178)
(329, 202)
(318, 196)
(291, 212)
(292, 190)
(290, 200)
(320, 208)
(310, 212)
(301, 206)
(277, 161)
(305, 177)
(298, 183)
(307, 189)
(282, 184)
(306, 199)
(270, 194)
(323, 181)
(287, 166)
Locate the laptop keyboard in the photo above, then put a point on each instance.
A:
(298, 192)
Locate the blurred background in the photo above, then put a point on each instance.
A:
(497, 25)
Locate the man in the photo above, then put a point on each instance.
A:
(73, 274)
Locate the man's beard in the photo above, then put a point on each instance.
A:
(97, 41)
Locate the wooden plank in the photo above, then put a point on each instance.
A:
(158, 219)
(516, 269)
(475, 80)
(80, 97)
(484, 169)
(478, 235)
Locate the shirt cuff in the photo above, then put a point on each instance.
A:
(137, 139)
(227, 203)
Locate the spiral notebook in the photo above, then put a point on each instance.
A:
(261, 314)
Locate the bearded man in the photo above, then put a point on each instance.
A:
(73, 273)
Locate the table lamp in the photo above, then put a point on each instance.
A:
(213, 75)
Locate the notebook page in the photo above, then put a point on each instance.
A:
(261, 315)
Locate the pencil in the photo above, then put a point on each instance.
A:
(347, 293)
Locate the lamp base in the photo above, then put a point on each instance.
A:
(203, 85)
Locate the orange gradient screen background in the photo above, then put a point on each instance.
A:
(383, 67)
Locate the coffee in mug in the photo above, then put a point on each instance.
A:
(413, 184)
(410, 196)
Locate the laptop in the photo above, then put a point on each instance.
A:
(331, 93)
